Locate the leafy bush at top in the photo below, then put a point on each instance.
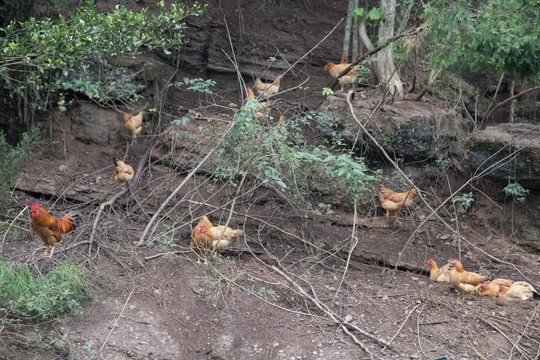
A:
(74, 54)
(25, 296)
(13, 161)
(466, 36)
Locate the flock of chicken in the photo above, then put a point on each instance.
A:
(208, 238)
(467, 282)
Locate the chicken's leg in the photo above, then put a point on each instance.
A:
(52, 250)
(46, 251)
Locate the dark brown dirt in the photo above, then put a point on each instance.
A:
(156, 302)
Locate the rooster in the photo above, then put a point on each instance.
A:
(265, 89)
(207, 237)
(123, 172)
(50, 229)
(392, 201)
(133, 124)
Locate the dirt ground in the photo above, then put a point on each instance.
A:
(285, 289)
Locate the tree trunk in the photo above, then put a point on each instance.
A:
(386, 70)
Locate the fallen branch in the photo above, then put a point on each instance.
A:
(488, 115)
(9, 227)
(112, 200)
(336, 318)
(116, 322)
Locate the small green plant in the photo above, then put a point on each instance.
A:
(26, 296)
(517, 191)
(373, 14)
(444, 164)
(198, 84)
(463, 202)
(13, 160)
(327, 91)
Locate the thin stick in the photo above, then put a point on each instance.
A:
(9, 227)
(116, 322)
(173, 194)
(401, 327)
(354, 242)
(112, 200)
(518, 348)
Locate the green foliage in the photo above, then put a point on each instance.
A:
(280, 157)
(373, 14)
(463, 202)
(327, 91)
(53, 57)
(500, 35)
(198, 85)
(25, 296)
(517, 191)
(13, 160)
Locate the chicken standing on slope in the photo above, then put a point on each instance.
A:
(520, 290)
(207, 237)
(459, 276)
(123, 172)
(492, 288)
(440, 275)
(133, 124)
(336, 69)
(392, 201)
(264, 105)
(266, 90)
(50, 229)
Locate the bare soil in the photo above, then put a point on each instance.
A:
(278, 292)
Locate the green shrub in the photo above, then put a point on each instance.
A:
(13, 160)
(25, 296)
(281, 158)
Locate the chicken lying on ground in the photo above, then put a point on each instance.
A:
(520, 290)
(50, 229)
(133, 124)
(266, 90)
(336, 69)
(123, 172)
(492, 288)
(392, 201)
(207, 237)
(259, 114)
(459, 276)
(465, 288)
(440, 275)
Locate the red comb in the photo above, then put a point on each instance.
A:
(34, 206)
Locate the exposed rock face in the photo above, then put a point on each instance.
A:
(95, 125)
(514, 146)
(409, 130)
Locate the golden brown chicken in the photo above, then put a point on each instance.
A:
(123, 172)
(492, 288)
(520, 290)
(343, 60)
(336, 69)
(50, 229)
(259, 114)
(459, 276)
(465, 288)
(207, 237)
(266, 90)
(133, 124)
(392, 201)
(440, 275)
